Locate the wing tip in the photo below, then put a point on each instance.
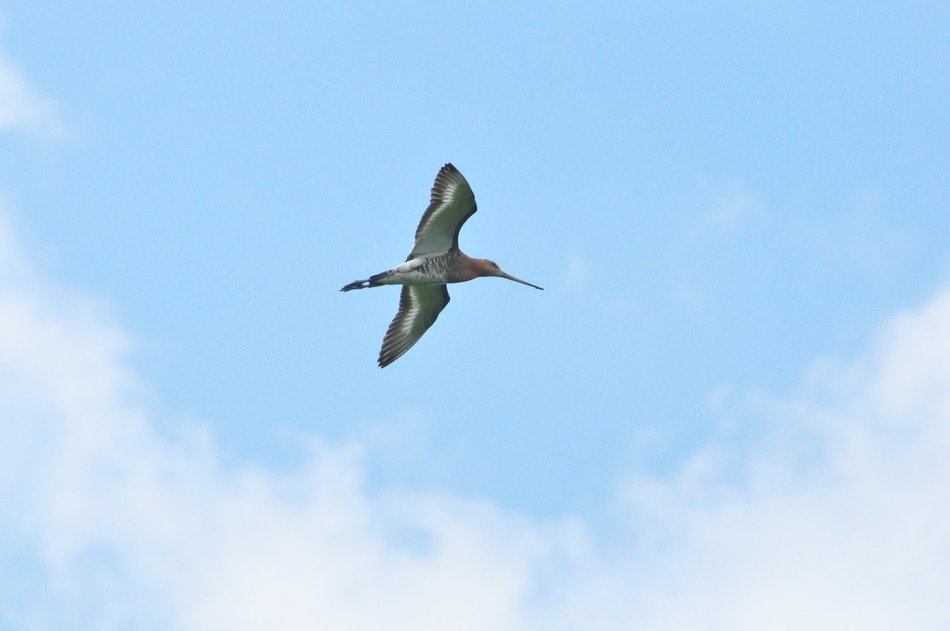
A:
(449, 171)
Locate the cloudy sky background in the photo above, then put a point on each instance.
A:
(729, 409)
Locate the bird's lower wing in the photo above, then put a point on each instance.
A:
(419, 306)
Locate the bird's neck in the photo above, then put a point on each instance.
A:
(468, 268)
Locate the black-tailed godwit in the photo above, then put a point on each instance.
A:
(434, 261)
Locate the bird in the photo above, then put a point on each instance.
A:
(435, 261)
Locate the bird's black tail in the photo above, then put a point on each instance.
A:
(372, 281)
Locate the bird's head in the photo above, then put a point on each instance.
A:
(490, 268)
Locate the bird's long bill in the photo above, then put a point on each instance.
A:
(517, 280)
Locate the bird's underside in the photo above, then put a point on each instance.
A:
(428, 269)
(424, 295)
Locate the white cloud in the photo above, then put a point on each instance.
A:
(135, 529)
(834, 516)
(21, 108)
(826, 510)
(734, 208)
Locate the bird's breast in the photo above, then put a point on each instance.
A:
(424, 270)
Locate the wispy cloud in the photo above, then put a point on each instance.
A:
(137, 529)
(824, 510)
(834, 515)
(576, 273)
(734, 208)
(21, 109)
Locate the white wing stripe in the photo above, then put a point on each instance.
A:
(419, 306)
(451, 203)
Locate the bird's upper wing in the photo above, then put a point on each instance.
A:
(419, 306)
(451, 204)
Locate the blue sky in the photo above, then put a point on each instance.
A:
(739, 214)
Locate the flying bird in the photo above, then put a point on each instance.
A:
(435, 260)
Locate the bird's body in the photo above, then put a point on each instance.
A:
(435, 260)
